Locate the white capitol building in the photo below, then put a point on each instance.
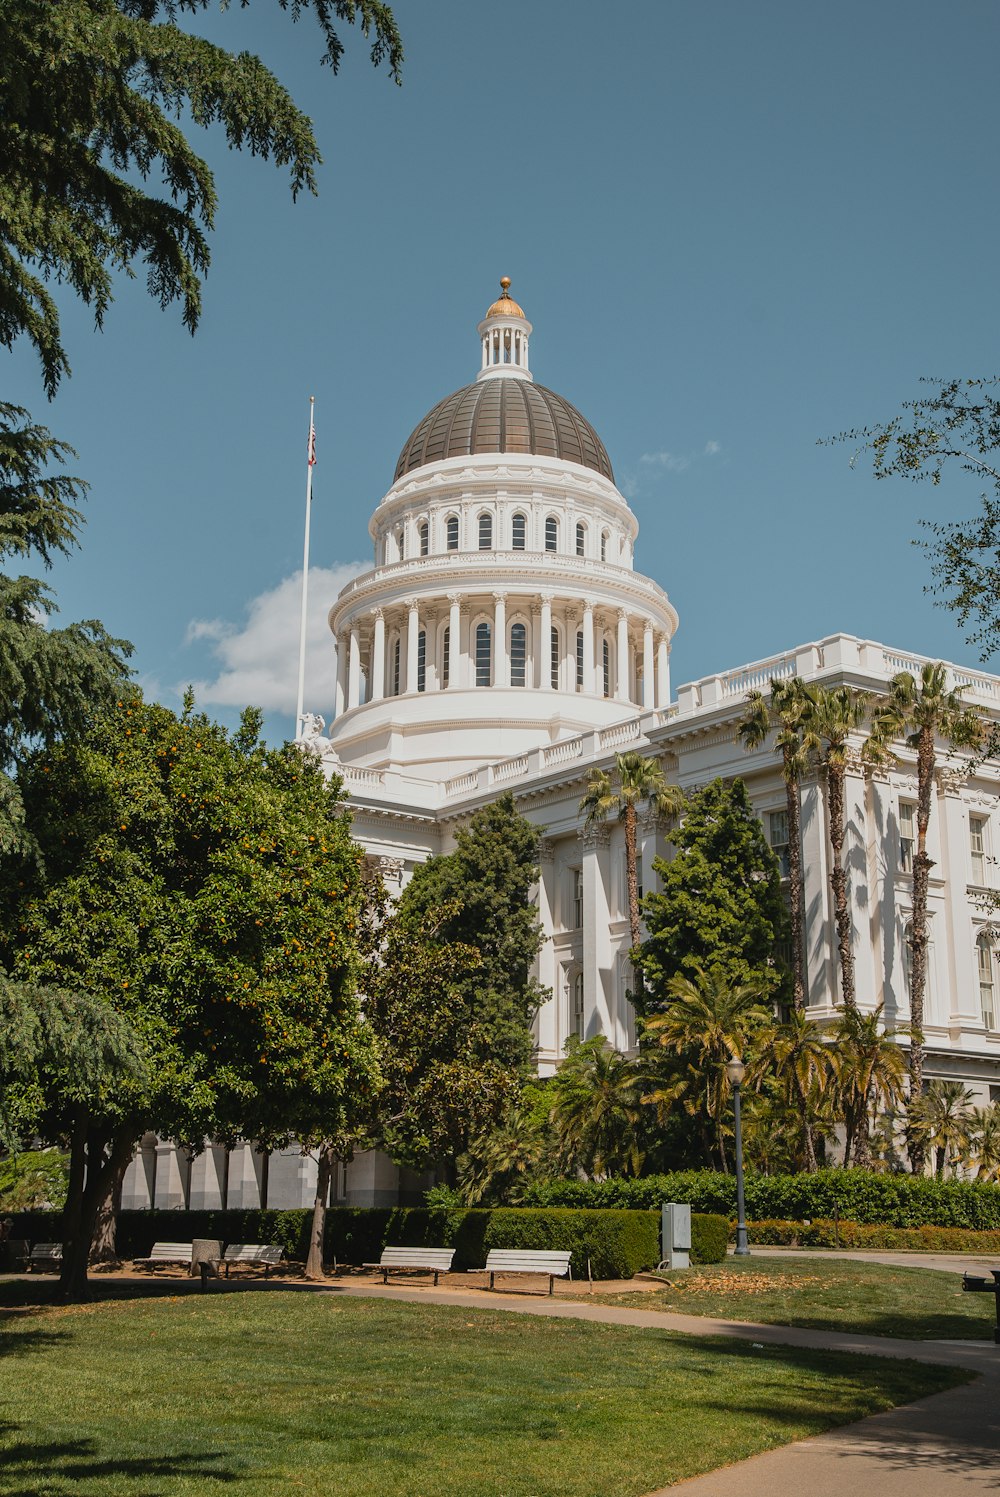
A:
(504, 641)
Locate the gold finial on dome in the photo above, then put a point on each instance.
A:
(505, 305)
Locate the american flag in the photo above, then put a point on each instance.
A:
(312, 445)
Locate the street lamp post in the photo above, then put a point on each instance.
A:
(736, 1070)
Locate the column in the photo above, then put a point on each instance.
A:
(354, 669)
(501, 657)
(856, 839)
(545, 654)
(819, 934)
(598, 956)
(536, 664)
(432, 680)
(663, 673)
(412, 630)
(621, 673)
(950, 822)
(647, 664)
(454, 640)
(341, 699)
(588, 647)
(547, 1023)
(378, 657)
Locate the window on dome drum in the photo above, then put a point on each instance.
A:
(483, 660)
(576, 1018)
(607, 669)
(518, 654)
(581, 540)
(395, 669)
(425, 538)
(485, 532)
(445, 656)
(604, 545)
(421, 660)
(579, 660)
(907, 835)
(977, 848)
(551, 533)
(451, 532)
(401, 544)
(517, 532)
(554, 659)
(777, 835)
(984, 961)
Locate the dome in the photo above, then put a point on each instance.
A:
(504, 415)
(505, 305)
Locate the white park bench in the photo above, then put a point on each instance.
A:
(428, 1260)
(528, 1260)
(166, 1252)
(45, 1255)
(261, 1254)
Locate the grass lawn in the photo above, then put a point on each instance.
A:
(281, 1392)
(827, 1294)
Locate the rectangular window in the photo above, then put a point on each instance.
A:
(483, 655)
(425, 538)
(518, 654)
(554, 660)
(984, 956)
(606, 658)
(977, 848)
(421, 660)
(445, 656)
(907, 835)
(577, 1015)
(577, 911)
(579, 660)
(777, 836)
(451, 532)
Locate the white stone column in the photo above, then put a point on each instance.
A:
(951, 815)
(819, 933)
(412, 630)
(598, 957)
(647, 664)
(547, 1023)
(533, 675)
(341, 699)
(545, 654)
(431, 679)
(856, 841)
(354, 669)
(621, 672)
(663, 673)
(501, 656)
(454, 640)
(378, 657)
(588, 647)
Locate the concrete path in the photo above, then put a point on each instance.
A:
(950, 1262)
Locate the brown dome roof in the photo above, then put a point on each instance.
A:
(504, 415)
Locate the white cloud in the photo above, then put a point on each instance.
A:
(259, 658)
(668, 460)
(712, 448)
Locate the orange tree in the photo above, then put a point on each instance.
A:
(207, 889)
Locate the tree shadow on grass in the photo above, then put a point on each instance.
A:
(52, 1468)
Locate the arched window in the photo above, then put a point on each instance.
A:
(579, 660)
(395, 669)
(576, 1017)
(554, 659)
(984, 962)
(604, 545)
(518, 654)
(483, 654)
(581, 539)
(445, 656)
(485, 532)
(401, 543)
(451, 532)
(517, 532)
(421, 660)
(551, 533)
(425, 538)
(607, 669)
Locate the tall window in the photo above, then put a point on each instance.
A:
(401, 544)
(907, 835)
(483, 661)
(577, 898)
(395, 669)
(451, 532)
(421, 660)
(581, 539)
(551, 533)
(576, 1018)
(984, 961)
(604, 545)
(517, 532)
(977, 848)
(777, 835)
(554, 659)
(445, 656)
(518, 654)
(579, 660)
(606, 658)
(485, 532)
(425, 538)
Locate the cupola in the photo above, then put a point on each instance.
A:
(504, 332)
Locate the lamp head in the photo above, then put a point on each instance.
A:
(735, 1070)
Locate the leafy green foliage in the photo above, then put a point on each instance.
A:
(595, 1109)
(92, 90)
(719, 907)
(827, 1233)
(709, 1237)
(33, 1179)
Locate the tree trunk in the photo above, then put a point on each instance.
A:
(922, 866)
(862, 1139)
(325, 1160)
(838, 879)
(795, 885)
(807, 1128)
(103, 1249)
(96, 1158)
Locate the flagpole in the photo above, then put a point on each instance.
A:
(300, 704)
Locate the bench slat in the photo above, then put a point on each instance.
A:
(419, 1257)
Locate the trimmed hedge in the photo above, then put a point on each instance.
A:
(618, 1243)
(828, 1234)
(859, 1196)
(709, 1238)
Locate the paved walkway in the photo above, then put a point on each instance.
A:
(950, 1262)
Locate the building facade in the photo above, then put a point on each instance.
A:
(503, 640)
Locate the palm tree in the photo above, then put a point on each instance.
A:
(801, 1063)
(596, 1109)
(501, 1162)
(639, 781)
(870, 1073)
(707, 1023)
(983, 1149)
(939, 1118)
(836, 712)
(789, 712)
(921, 714)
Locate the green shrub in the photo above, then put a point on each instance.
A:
(847, 1234)
(32, 1179)
(618, 1244)
(709, 1237)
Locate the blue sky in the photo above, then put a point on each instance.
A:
(737, 229)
